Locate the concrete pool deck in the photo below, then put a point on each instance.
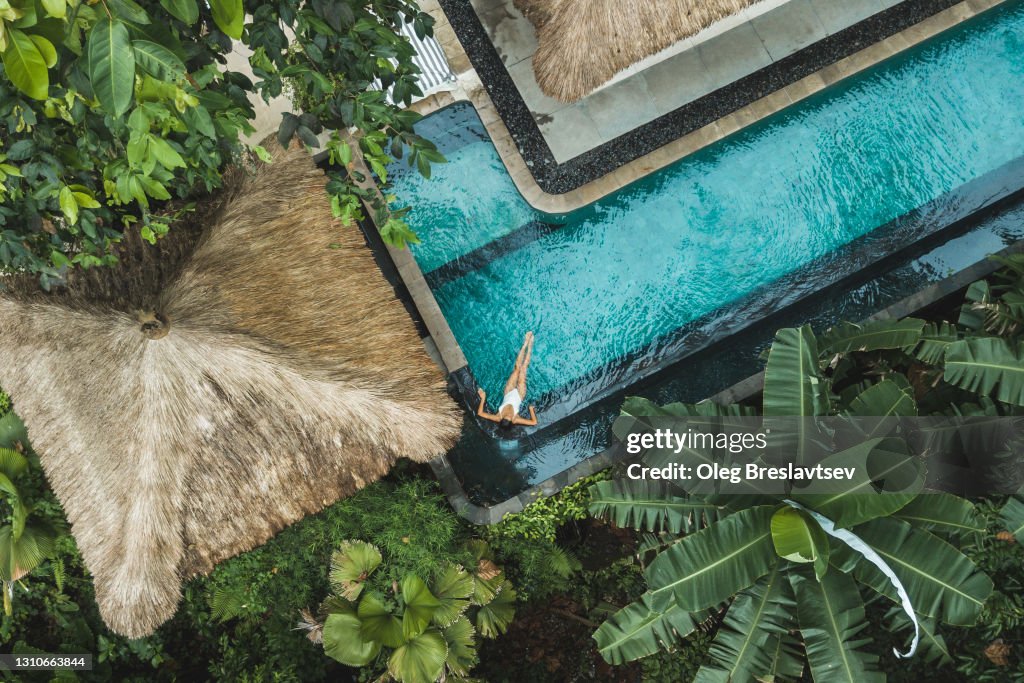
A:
(725, 52)
(470, 89)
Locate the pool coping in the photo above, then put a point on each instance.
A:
(737, 393)
(510, 143)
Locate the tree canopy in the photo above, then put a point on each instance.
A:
(110, 108)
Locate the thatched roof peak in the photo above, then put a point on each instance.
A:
(185, 418)
(584, 43)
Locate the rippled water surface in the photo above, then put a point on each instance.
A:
(714, 227)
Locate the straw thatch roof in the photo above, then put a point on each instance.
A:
(583, 43)
(184, 414)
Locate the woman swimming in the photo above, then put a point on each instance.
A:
(515, 392)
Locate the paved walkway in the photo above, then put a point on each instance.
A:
(722, 53)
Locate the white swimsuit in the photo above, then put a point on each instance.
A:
(513, 399)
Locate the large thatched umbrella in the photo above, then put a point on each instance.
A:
(184, 414)
(583, 43)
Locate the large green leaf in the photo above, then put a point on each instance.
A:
(12, 431)
(25, 65)
(493, 618)
(19, 513)
(971, 317)
(55, 8)
(111, 65)
(183, 10)
(638, 630)
(129, 10)
(420, 660)
(941, 581)
(46, 50)
(873, 335)
(706, 568)
(461, 646)
(20, 555)
(158, 61)
(932, 646)
(344, 642)
(420, 605)
(787, 657)
(12, 463)
(885, 399)
(857, 501)
(746, 645)
(228, 15)
(798, 538)
(351, 566)
(793, 384)
(453, 589)
(831, 616)
(938, 511)
(1012, 515)
(378, 623)
(649, 505)
(935, 339)
(987, 365)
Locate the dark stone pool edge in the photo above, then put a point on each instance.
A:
(741, 391)
(556, 178)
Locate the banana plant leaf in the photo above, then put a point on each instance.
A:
(747, 644)
(831, 616)
(639, 630)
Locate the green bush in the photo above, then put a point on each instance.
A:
(527, 542)
(110, 108)
(239, 622)
(419, 632)
(541, 520)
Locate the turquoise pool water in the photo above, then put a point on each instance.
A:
(720, 225)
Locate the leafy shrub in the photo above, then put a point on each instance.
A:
(527, 541)
(108, 109)
(268, 586)
(1002, 619)
(678, 664)
(425, 633)
(542, 519)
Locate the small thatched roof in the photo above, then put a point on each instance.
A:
(583, 43)
(278, 374)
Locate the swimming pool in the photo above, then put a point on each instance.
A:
(614, 287)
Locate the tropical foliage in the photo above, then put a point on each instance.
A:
(428, 631)
(111, 108)
(26, 540)
(782, 580)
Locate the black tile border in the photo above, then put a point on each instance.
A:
(481, 256)
(555, 178)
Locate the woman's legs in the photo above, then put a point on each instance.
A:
(518, 377)
(526, 364)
